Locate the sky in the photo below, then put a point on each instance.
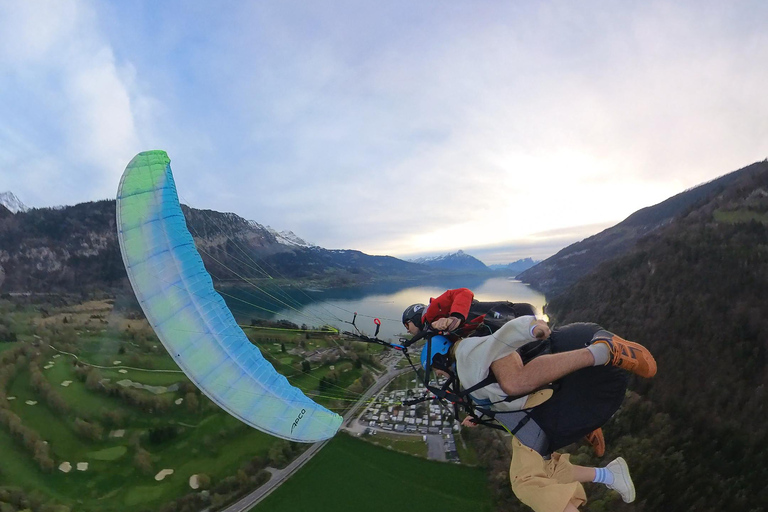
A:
(508, 129)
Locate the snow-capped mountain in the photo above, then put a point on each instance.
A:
(288, 238)
(13, 203)
(454, 261)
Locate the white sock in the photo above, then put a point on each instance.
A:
(600, 352)
(603, 476)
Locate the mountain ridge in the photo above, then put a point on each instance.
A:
(556, 273)
(516, 267)
(75, 249)
(456, 261)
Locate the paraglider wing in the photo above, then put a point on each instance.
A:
(190, 317)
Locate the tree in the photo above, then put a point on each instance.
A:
(277, 454)
(92, 431)
(143, 461)
(158, 435)
(193, 403)
(204, 481)
(93, 380)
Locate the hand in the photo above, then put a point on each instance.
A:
(469, 422)
(541, 330)
(446, 324)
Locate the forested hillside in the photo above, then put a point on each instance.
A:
(696, 294)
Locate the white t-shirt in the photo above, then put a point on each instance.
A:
(475, 355)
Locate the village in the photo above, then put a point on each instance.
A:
(435, 423)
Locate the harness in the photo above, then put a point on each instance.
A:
(460, 398)
(517, 423)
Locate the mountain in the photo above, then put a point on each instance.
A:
(516, 267)
(287, 237)
(695, 292)
(12, 203)
(558, 272)
(457, 261)
(75, 249)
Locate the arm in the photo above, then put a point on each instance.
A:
(453, 303)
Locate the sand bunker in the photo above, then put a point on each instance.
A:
(178, 401)
(164, 473)
(30, 402)
(82, 466)
(57, 356)
(193, 482)
(47, 367)
(117, 433)
(65, 467)
(10, 398)
(116, 362)
(66, 383)
(122, 371)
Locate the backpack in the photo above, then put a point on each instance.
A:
(494, 314)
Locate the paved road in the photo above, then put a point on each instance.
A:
(349, 423)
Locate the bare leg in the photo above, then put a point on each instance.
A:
(583, 474)
(580, 474)
(516, 379)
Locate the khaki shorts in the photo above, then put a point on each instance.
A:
(544, 485)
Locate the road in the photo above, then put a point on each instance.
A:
(349, 423)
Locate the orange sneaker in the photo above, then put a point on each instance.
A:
(597, 441)
(630, 356)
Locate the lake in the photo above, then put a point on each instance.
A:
(385, 301)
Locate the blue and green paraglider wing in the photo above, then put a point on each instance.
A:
(190, 317)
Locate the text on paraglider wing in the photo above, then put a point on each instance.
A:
(298, 419)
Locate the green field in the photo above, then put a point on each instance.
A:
(411, 444)
(204, 440)
(207, 440)
(350, 475)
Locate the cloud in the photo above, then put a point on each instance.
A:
(69, 128)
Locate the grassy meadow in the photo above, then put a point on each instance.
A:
(350, 475)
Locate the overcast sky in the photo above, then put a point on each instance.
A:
(504, 128)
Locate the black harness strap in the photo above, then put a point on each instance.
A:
(490, 379)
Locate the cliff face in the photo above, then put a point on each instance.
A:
(71, 248)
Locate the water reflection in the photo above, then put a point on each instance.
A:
(385, 301)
